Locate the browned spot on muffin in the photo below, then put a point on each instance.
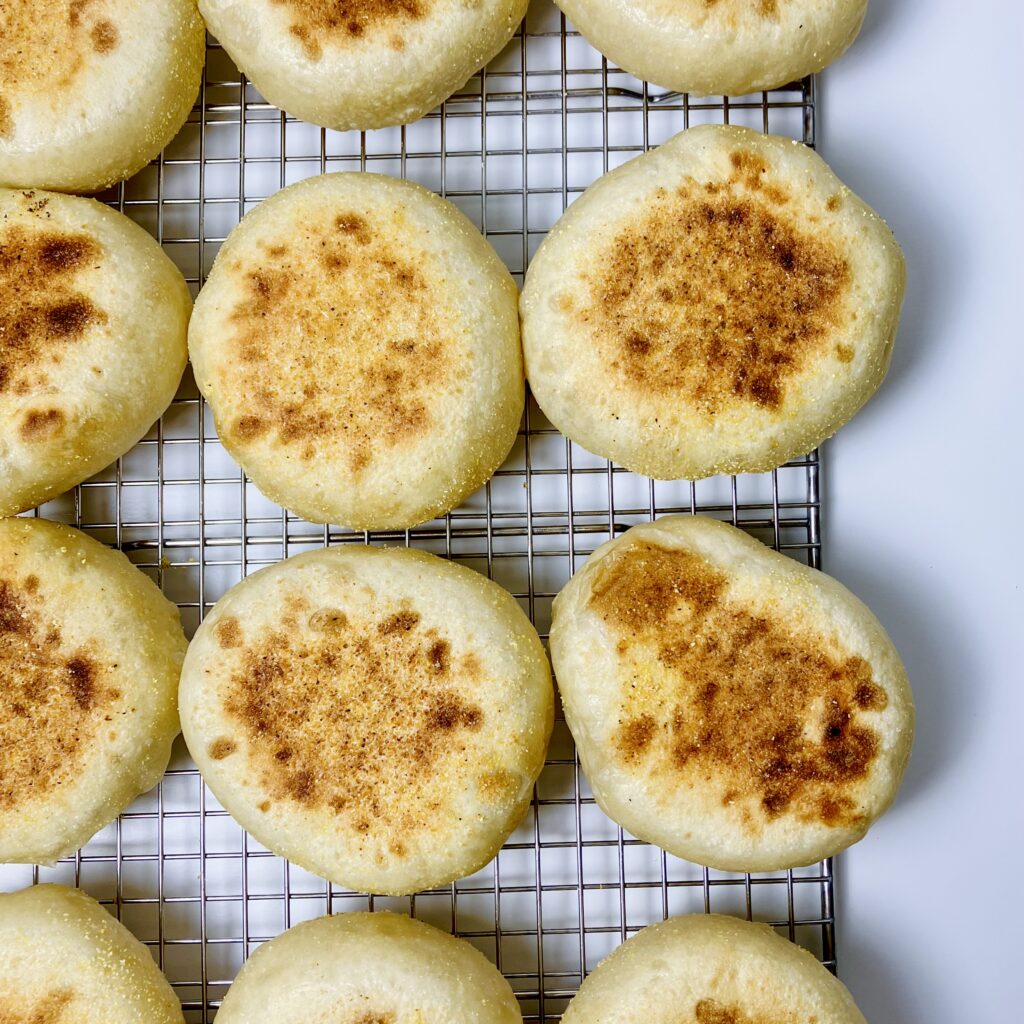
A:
(42, 312)
(265, 806)
(248, 428)
(716, 695)
(228, 632)
(44, 45)
(221, 748)
(833, 204)
(37, 424)
(710, 1011)
(714, 297)
(319, 23)
(360, 720)
(46, 1009)
(104, 36)
(6, 118)
(635, 735)
(54, 696)
(375, 1018)
(498, 785)
(844, 353)
(342, 345)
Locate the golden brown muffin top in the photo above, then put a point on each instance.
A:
(750, 706)
(715, 294)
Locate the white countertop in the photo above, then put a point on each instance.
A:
(922, 119)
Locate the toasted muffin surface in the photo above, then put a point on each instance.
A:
(90, 653)
(710, 969)
(66, 960)
(358, 341)
(93, 320)
(361, 64)
(740, 709)
(719, 46)
(91, 90)
(376, 715)
(720, 304)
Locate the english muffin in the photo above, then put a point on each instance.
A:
(93, 329)
(708, 969)
(729, 704)
(358, 342)
(376, 715)
(92, 90)
(361, 63)
(65, 960)
(718, 305)
(369, 968)
(719, 46)
(90, 653)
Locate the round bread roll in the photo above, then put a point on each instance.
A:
(376, 968)
(708, 969)
(65, 960)
(708, 47)
(90, 654)
(718, 305)
(361, 64)
(92, 90)
(376, 715)
(358, 342)
(729, 704)
(93, 329)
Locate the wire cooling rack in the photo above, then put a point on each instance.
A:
(512, 149)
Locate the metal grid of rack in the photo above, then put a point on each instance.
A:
(512, 149)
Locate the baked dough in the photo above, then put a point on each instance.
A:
(368, 968)
(92, 90)
(65, 960)
(708, 969)
(358, 342)
(376, 715)
(93, 322)
(721, 304)
(710, 47)
(363, 63)
(90, 654)
(729, 704)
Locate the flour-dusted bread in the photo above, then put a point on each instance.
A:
(719, 46)
(376, 968)
(65, 960)
(729, 704)
(90, 654)
(708, 969)
(93, 328)
(363, 63)
(376, 715)
(358, 342)
(92, 90)
(719, 305)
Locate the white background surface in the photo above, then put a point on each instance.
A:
(921, 493)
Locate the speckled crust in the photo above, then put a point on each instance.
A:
(92, 90)
(90, 654)
(729, 704)
(360, 968)
(721, 304)
(709, 969)
(730, 47)
(377, 715)
(361, 64)
(93, 321)
(358, 342)
(65, 960)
